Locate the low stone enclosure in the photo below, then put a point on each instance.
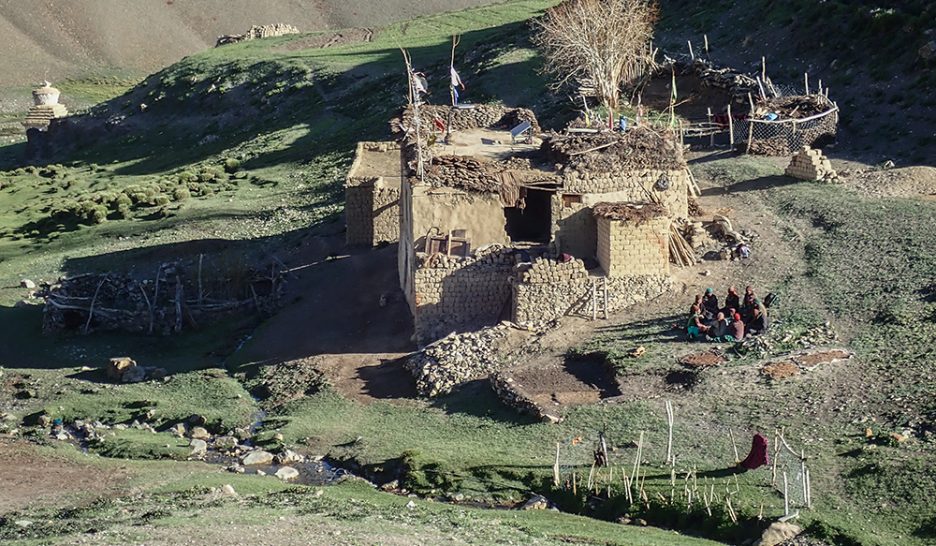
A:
(493, 228)
(257, 32)
(758, 116)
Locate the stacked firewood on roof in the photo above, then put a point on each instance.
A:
(635, 149)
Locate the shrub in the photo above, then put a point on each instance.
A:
(232, 165)
(181, 193)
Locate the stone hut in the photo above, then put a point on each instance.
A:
(372, 195)
(494, 227)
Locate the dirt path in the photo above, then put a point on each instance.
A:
(30, 476)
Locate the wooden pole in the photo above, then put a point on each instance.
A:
(808, 490)
(455, 40)
(803, 477)
(705, 38)
(750, 135)
(594, 300)
(763, 68)
(691, 54)
(669, 436)
(786, 500)
(711, 136)
(730, 127)
(776, 452)
(93, 301)
(556, 467)
(737, 458)
(806, 81)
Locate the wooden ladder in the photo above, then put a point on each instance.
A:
(600, 297)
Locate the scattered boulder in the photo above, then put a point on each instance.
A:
(199, 448)
(928, 51)
(27, 284)
(228, 490)
(116, 367)
(133, 374)
(537, 502)
(199, 433)
(256, 457)
(779, 532)
(288, 456)
(287, 473)
(178, 429)
(225, 442)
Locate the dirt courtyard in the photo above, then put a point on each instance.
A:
(31, 476)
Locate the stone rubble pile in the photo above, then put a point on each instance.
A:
(456, 359)
(512, 395)
(811, 164)
(257, 32)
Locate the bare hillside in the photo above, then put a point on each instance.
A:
(53, 39)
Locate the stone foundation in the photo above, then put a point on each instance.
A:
(456, 294)
(536, 303)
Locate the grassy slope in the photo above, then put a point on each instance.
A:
(176, 502)
(301, 104)
(865, 52)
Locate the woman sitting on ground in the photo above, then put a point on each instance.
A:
(695, 325)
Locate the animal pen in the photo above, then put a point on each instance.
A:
(756, 115)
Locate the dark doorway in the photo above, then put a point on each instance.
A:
(532, 222)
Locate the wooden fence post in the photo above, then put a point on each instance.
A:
(730, 127)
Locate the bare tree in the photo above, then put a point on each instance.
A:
(605, 41)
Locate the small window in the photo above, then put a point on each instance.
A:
(569, 199)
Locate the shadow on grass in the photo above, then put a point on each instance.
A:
(477, 399)
(755, 184)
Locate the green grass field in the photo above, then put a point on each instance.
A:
(241, 151)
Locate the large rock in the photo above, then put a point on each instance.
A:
(287, 473)
(928, 51)
(199, 448)
(537, 502)
(778, 532)
(199, 433)
(134, 374)
(256, 457)
(118, 366)
(28, 284)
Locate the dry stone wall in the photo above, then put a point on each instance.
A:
(627, 248)
(636, 187)
(454, 294)
(538, 303)
(457, 358)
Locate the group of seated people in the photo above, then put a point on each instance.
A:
(732, 321)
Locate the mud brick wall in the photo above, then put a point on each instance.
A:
(453, 294)
(634, 186)
(372, 203)
(573, 228)
(537, 303)
(626, 248)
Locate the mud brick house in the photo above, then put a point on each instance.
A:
(493, 227)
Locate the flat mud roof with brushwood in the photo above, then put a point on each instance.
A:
(635, 149)
(628, 212)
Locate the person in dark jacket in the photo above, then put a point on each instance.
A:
(719, 328)
(747, 304)
(759, 322)
(732, 300)
(710, 304)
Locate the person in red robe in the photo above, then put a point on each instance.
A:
(758, 456)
